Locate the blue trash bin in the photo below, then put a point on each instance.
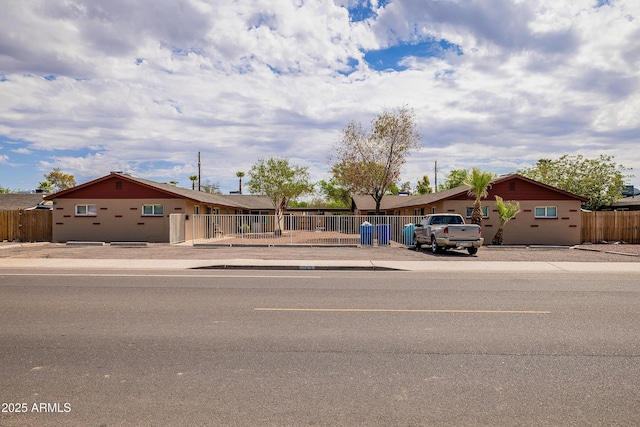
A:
(383, 231)
(407, 233)
(366, 234)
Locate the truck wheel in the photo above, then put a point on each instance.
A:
(472, 251)
(435, 248)
(416, 243)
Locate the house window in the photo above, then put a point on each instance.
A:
(152, 210)
(433, 210)
(485, 211)
(196, 210)
(546, 212)
(86, 210)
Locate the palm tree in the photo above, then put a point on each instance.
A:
(240, 174)
(480, 182)
(193, 179)
(506, 212)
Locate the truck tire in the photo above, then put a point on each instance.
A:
(472, 250)
(416, 243)
(435, 248)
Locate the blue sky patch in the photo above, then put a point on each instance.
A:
(390, 58)
(361, 12)
(364, 10)
(351, 65)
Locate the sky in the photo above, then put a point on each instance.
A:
(142, 86)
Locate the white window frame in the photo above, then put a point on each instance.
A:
(485, 211)
(89, 210)
(546, 211)
(153, 210)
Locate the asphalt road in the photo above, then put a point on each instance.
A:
(319, 348)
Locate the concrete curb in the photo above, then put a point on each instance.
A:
(42, 265)
(606, 252)
(11, 246)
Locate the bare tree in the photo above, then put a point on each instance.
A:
(370, 161)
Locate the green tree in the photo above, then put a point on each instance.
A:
(60, 180)
(424, 186)
(4, 190)
(334, 193)
(393, 189)
(369, 161)
(194, 179)
(506, 212)
(480, 183)
(456, 178)
(599, 180)
(281, 182)
(240, 175)
(45, 186)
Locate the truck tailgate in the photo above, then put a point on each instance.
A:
(463, 232)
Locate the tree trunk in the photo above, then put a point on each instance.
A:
(378, 202)
(476, 216)
(279, 223)
(497, 239)
(280, 218)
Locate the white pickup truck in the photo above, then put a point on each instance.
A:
(447, 231)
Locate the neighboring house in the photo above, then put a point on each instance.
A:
(15, 201)
(631, 203)
(122, 208)
(548, 215)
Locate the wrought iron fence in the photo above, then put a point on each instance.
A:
(330, 230)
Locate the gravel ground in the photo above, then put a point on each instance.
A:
(581, 253)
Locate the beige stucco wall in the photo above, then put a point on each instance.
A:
(116, 220)
(525, 229)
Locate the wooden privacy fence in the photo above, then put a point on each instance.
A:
(610, 226)
(26, 226)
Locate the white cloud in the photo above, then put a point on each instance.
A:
(144, 85)
(22, 151)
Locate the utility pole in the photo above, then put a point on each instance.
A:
(199, 189)
(435, 170)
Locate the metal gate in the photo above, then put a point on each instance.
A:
(177, 227)
(330, 230)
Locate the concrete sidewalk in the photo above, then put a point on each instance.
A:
(44, 265)
(42, 257)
